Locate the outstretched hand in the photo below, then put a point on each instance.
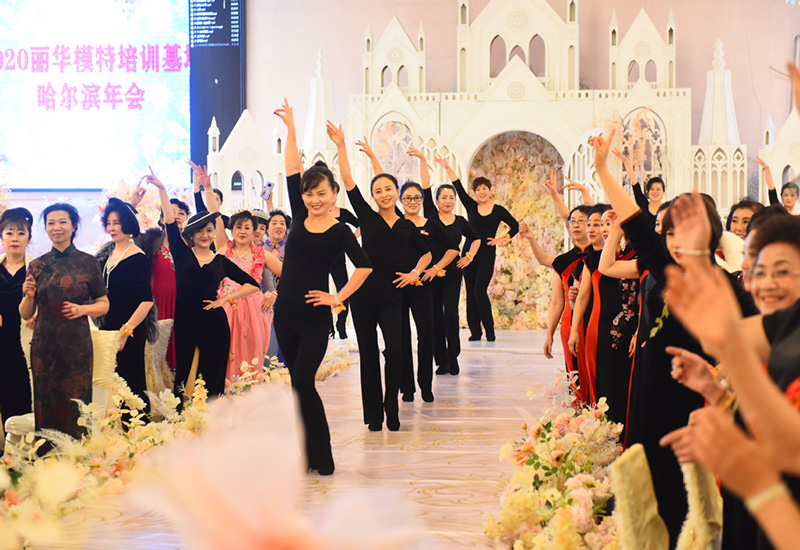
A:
(336, 133)
(414, 152)
(200, 174)
(761, 163)
(692, 226)
(363, 146)
(138, 194)
(601, 148)
(573, 185)
(152, 179)
(552, 183)
(286, 113)
(441, 161)
(525, 230)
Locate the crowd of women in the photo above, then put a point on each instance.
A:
(650, 300)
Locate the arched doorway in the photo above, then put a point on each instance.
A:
(518, 164)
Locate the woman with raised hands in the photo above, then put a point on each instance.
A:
(202, 334)
(417, 299)
(247, 317)
(15, 391)
(63, 287)
(303, 308)
(447, 290)
(485, 217)
(659, 404)
(386, 238)
(789, 190)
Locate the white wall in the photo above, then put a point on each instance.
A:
(283, 39)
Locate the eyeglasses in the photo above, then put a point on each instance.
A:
(776, 275)
(412, 200)
(577, 222)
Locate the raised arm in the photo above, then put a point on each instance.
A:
(336, 134)
(291, 154)
(424, 173)
(554, 315)
(771, 191)
(552, 189)
(541, 256)
(621, 202)
(609, 265)
(441, 161)
(586, 196)
(364, 147)
(200, 177)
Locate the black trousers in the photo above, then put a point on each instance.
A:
(304, 343)
(377, 305)
(446, 339)
(479, 309)
(339, 276)
(417, 300)
(15, 390)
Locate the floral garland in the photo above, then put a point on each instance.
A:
(557, 495)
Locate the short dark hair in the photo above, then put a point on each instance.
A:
(790, 185)
(127, 219)
(218, 193)
(443, 187)
(663, 206)
(181, 206)
(480, 180)
(667, 223)
(582, 208)
(760, 217)
(279, 212)
(74, 217)
(244, 215)
(17, 218)
(411, 185)
(653, 180)
(777, 229)
(188, 234)
(745, 204)
(389, 177)
(314, 176)
(600, 208)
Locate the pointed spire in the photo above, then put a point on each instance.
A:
(421, 31)
(321, 73)
(614, 18)
(671, 19)
(719, 56)
(213, 130)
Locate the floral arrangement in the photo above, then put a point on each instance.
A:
(558, 492)
(149, 208)
(518, 164)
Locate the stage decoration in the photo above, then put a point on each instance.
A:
(518, 164)
(149, 207)
(558, 494)
(5, 191)
(391, 141)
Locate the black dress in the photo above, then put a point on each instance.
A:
(195, 327)
(660, 404)
(61, 349)
(418, 300)
(128, 286)
(377, 303)
(447, 291)
(15, 390)
(478, 274)
(614, 320)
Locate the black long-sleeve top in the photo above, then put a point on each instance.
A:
(385, 245)
(643, 203)
(195, 283)
(437, 240)
(773, 197)
(485, 226)
(309, 258)
(458, 230)
(345, 216)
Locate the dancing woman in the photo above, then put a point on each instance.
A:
(126, 273)
(485, 217)
(339, 270)
(15, 391)
(300, 323)
(202, 335)
(386, 239)
(63, 287)
(662, 404)
(447, 290)
(789, 191)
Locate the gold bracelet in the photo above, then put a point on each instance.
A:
(468, 256)
(756, 501)
(126, 330)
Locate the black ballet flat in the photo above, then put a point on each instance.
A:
(490, 337)
(454, 368)
(443, 369)
(427, 396)
(408, 397)
(375, 426)
(393, 423)
(474, 338)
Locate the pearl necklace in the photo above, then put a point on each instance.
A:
(108, 269)
(202, 261)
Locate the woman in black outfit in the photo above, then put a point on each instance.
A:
(417, 298)
(15, 391)
(447, 290)
(313, 246)
(386, 238)
(484, 217)
(659, 404)
(339, 269)
(202, 334)
(126, 272)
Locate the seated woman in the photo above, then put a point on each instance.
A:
(63, 287)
